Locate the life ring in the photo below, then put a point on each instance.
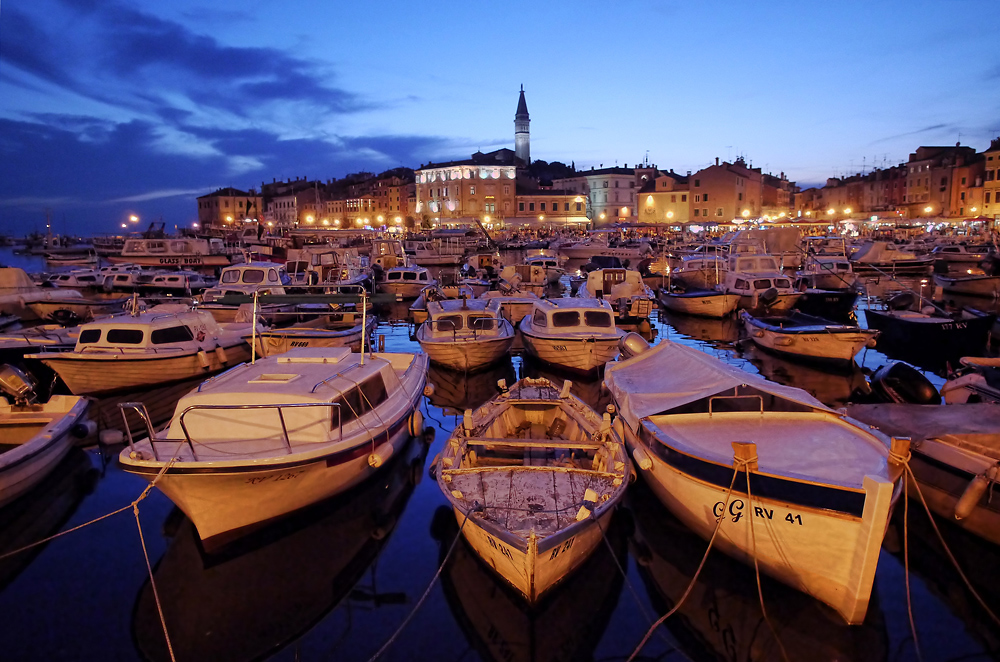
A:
(201, 335)
(416, 423)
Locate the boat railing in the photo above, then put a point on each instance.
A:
(140, 409)
(477, 326)
(711, 401)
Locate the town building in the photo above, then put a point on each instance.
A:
(726, 191)
(549, 206)
(929, 180)
(991, 181)
(664, 199)
(610, 193)
(228, 207)
(522, 136)
(483, 185)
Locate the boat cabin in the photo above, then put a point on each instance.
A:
(754, 264)
(457, 318)
(408, 275)
(571, 315)
(249, 278)
(155, 330)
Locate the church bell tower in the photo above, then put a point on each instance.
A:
(522, 137)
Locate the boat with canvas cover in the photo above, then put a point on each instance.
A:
(465, 335)
(955, 457)
(17, 291)
(35, 437)
(534, 476)
(165, 344)
(265, 439)
(881, 256)
(808, 337)
(572, 334)
(624, 289)
(786, 481)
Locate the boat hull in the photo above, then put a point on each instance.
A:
(833, 346)
(784, 303)
(976, 286)
(533, 569)
(405, 290)
(584, 355)
(962, 337)
(709, 304)
(108, 373)
(825, 553)
(23, 467)
(279, 342)
(173, 261)
(466, 354)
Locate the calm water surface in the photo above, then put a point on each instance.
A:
(335, 582)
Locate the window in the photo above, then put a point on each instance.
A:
(231, 276)
(409, 275)
(481, 323)
(739, 196)
(616, 183)
(520, 206)
(705, 197)
(697, 212)
(450, 323)
(762, 283)
(542, 207)
(566, 206)
(742, 284)
(605, 183)
(579, 206)
(89, 336)
(272, 275)
(372, 392)
(565, 318)
(531, 206)
(697, 182)
(125, 336)
(253, 276)
(350, 407)
(704, 212)
(684, 198)
(673, 198)
(472, 190)
(170, 334)
(697, 198)
(597, 318)
(506, 190)
(782, 282)
(538, 318)
(718, 211)
(987, 199)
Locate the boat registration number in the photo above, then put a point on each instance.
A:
(500, 547)
(256, 480)
(737, 509)
(559, 348)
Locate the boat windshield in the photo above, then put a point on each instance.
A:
(597, 318)
(565, 318)
(451, 323)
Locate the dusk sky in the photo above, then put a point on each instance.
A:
(115, 107)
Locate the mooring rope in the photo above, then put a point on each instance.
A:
(416, 607)
(906, 564)
(152, 583)
(694, 579)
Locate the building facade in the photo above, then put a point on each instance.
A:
(991, 181)
(227, 207)
(664, 199)
(610, 193)
(725, 191)
(522, 135)
(480, 187)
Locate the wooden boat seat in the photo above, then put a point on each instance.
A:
(585, 444)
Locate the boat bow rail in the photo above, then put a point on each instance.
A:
(140, 409)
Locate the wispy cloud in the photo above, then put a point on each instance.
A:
(927, 129)
(157, 195)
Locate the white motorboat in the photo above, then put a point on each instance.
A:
(827, 273)
(969, 284)
(960, 253)
(418, 309)
(977, 381)
(77, 279)
(18, 292)
(343, 332)
(702, 271)
(534, 476)
(406, 281)
(552, 264)
(175, 252)
(573, 334)
(75, 309)
(704, 303)
(35, 437)
(66, 259)
(264, 278)
(523, 278)
(955, 458)
(761, 285)
(821, 486)
(165, 344)
(882, 257)
(600, 245)
(266, 439)
(514, 307)
(465, 335)
(808, 337)
(173, 283)
(624, 289)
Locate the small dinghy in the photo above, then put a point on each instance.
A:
(821, 486)
(701, 302)
(533, 477)
(808, 337)
(35, 437)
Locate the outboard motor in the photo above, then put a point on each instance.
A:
(902, 383)
(18, 385)
(768, 297)
(901, 301)
(632, 344)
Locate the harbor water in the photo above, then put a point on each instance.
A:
(335, 582)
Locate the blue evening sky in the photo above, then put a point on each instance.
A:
(114, 107)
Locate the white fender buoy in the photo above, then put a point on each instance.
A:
(971, 496)
(416, 423)
(642, 459)
(203, 359)
(220, 353)
(380, 456)
(84, 429)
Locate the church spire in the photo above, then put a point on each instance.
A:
(522, 137)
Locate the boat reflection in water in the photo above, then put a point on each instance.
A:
(454, 392)
(832, 386)
(566, 624)
(929, 562)
(717, 331)
(722, 618)
(43, 510)
(266, 590)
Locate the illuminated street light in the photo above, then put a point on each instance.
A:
(847, 211)
(326, 222)
(195, 224)
(602, 214)
(486, 218)
(746, 213)
(809, 213)
(975, 209)
(133, 218)
(670, 214)
(830, 212)
(309, 219)
(928, 209)
(398, 220)
(124, 225)
(380, 219)
(541, 217)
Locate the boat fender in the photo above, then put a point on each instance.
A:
(84, 429)
(429, 390)
(564, 392)
(642, 459)
(416, 423)
(871, 343)
(783, 342)
(203, 360)
(380, 456)
(971, 496)
(220, 353)
(619, 427)
(111, 437)
(589, 501)
(758, 334)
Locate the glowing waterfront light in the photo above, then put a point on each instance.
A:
(398, 220)
(309, 219)
(336, 222)
(746, 213)
(809, 213)
(326, 222)
(486, 218)
(380, 219)
(124, 225)
(847, 211)
(602, 214)
(975, 209)
(270, 224)
(829, 211)
(194, 225)
(670, 214)
(928, 209)
(541, 217)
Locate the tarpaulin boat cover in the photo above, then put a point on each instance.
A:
(974, 426)
(671, 375)
(15, 281)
